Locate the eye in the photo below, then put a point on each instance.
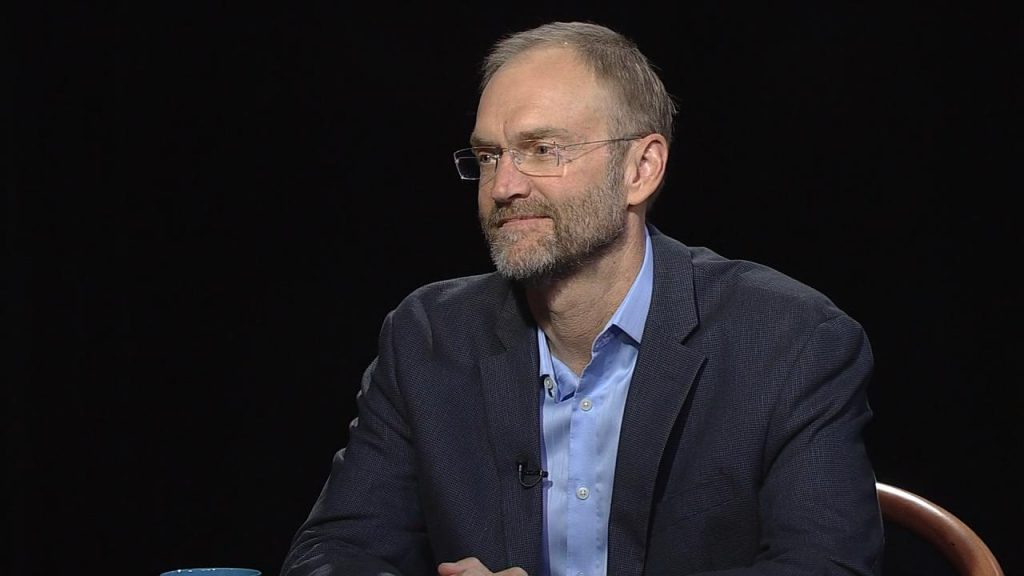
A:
(539, 149)
(486, 156)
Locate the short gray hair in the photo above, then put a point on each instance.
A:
(645, 106)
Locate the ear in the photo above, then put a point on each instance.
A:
(645, 168)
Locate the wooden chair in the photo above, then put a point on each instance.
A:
(964, 549)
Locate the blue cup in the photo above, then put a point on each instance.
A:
(213, 572)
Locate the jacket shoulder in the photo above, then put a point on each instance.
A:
(452, 318)
(720, 282)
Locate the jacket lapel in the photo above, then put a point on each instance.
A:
(511, 392)
(664, 373)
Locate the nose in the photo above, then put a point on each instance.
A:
(508, 182)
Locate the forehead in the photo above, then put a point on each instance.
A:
(543, 91)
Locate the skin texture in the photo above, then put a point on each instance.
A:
(582, 226)
(547, 92)
(577, 240)
(473, 567)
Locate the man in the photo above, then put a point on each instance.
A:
(610, 401)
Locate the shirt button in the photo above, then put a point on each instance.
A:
(586, 405)
(549, 385)
(583, 493)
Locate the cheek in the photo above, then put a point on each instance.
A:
(485, 207)
(484, 201)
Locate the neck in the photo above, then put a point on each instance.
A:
(573, 309)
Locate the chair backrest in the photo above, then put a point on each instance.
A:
(964, 549)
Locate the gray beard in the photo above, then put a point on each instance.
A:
(584, 228)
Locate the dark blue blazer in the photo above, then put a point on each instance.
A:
(741, 446)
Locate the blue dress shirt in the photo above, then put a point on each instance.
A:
(580, 421)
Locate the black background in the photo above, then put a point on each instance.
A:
(211, 208)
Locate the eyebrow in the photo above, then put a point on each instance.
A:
(544, 133)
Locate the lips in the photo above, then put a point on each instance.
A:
(517, 212)
(506, 220)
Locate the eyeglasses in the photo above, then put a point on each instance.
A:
(531, 157)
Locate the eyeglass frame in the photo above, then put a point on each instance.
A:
(517, 155)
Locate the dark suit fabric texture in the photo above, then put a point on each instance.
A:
(740, 451)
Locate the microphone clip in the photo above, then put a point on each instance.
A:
(529, 478)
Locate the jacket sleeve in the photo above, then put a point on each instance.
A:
(819, 509)
(367, 519)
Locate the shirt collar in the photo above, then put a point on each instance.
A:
(631, 315)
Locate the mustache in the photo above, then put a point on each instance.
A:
(523, 208)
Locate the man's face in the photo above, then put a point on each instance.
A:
(541, 226)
